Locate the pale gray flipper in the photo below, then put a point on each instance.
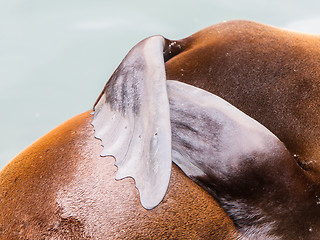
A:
(212, 138)
(132, 120)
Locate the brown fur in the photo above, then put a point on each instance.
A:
(32, 184)
(270, 74)
(273, 76)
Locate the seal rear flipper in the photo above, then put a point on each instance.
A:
(132, 119)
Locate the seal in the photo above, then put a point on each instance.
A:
(234, 106)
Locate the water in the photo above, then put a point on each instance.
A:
(55, 56)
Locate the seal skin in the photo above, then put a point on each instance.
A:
(61, 188)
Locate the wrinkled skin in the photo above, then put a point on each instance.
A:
(60, 187)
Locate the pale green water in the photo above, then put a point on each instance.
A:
(55, 56)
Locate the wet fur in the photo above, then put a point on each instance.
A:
(273, 76)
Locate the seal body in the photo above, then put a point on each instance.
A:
(273, 76)
(60, 187)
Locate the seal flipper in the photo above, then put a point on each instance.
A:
(209, 134)
(132, 120)
(215, 144)
(244, 166)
